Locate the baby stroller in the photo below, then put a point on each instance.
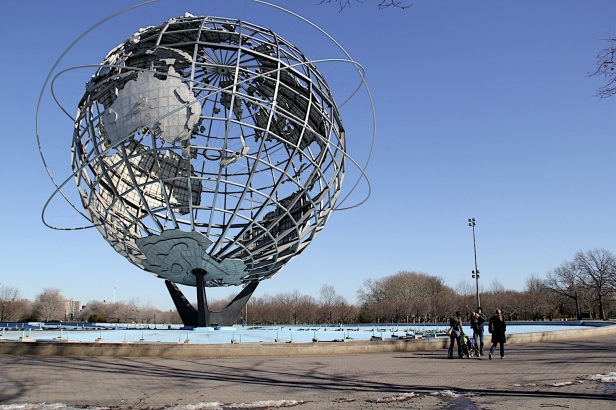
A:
(469, 346)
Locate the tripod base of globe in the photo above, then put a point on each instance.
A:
(202, 316)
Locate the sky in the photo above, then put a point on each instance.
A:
(483, 110)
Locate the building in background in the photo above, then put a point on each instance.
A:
(71, 308)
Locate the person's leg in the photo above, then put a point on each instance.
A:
(492, 350)
(480, 341)
(450, 351)
(502, 350)
(458, 339)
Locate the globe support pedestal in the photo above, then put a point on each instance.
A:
(202, 316)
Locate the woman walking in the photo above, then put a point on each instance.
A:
(455, 331)
(497, 327)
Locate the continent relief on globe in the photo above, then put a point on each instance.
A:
(167, 107)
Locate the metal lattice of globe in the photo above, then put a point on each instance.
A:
(208, 151)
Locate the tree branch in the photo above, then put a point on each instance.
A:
(606, 67)
(383, 4)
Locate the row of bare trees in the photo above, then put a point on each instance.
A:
(50, 306)
(295, 308)
(584, 287)
(588, 281)
(12, 305)
(405, 297)
(125, 312)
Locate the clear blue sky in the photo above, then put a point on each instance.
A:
(484, 109)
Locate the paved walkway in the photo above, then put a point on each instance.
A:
(533, 376)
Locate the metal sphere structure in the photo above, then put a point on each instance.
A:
(209, 152)
(213, 133)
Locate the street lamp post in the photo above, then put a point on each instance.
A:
(475, 273)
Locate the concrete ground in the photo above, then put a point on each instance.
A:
(532, 376)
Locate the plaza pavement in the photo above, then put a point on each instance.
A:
(532, 376)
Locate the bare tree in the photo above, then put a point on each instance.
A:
(122, 312)
(496, 287)
(493, 296)
(288, 307)
(565, 280)
(149, 314)
(10, 305)
(536, 302)
(597, 268)
(510, 302)
(138, 312)
(260, 310)
(333, 307)
(371, 292)
(606, 67)
(406, 296)
(49, 305)
(170, 317)
(465, 288)
(93, 312)
(382, 4)
(328, 295)
(308, 308)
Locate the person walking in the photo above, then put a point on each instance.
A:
(455, 331)
(477, 321)
(497, 328)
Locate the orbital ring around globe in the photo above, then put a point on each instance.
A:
(187, 193)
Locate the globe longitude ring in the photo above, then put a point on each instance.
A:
(210, 152)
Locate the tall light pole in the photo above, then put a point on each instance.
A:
(472, 223)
